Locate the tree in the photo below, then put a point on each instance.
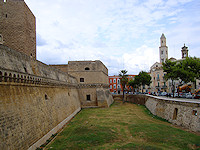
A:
(143, 79)
(132, 84)
(171, 72)
(192, 66)
(123, 80)
(187, 70)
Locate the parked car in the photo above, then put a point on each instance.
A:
(197, 95)
(163, 94)
(188, 95)
(183, 95)
(175, 94)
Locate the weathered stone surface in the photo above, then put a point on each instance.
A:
(29, 112)
(182, 112)
(104, 98)
(18, 27)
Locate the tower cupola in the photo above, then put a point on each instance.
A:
(184, 51)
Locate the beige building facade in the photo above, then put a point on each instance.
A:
(156, 72)
(92, 78)
(159, 84)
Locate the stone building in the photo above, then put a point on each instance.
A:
(159, 84)
(17, 26)
(37, 100)
(157, 75)
(92, 78)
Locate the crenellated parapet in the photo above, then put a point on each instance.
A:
(10, 76)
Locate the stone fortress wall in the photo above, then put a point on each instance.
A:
(17, 25)
(36, 100)
(92, 77)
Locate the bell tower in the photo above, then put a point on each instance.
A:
(163, 49)
(184, 51)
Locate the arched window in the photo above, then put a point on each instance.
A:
(81, 79)
(87, 68)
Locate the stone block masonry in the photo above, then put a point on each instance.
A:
(185, 113)
(36, 100)
(18, 27)
(28, 112)
(182, 112)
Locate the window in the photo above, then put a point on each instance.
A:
(110, 86)
(118, 81)
(157, 76)
(87, 68)
(88, 98)
(114, 86)
(158, 84)
(110, 80)
(81, 79)
(114, 80)
(46, 97)
(161, 52)
(118, 86)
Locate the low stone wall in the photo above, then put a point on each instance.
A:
(185, 113)
(182, 112)
(136, 99)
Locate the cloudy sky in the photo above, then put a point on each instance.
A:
(123, 34)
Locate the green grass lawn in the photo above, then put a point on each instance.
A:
(122, 126)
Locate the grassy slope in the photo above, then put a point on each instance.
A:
(122, 126)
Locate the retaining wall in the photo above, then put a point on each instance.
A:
(182, 112)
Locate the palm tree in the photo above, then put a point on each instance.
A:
(123, 80)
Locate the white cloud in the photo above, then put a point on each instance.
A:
(141, 59)
(121, 33)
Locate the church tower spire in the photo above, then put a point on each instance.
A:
(163, 49)
(184, 51)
